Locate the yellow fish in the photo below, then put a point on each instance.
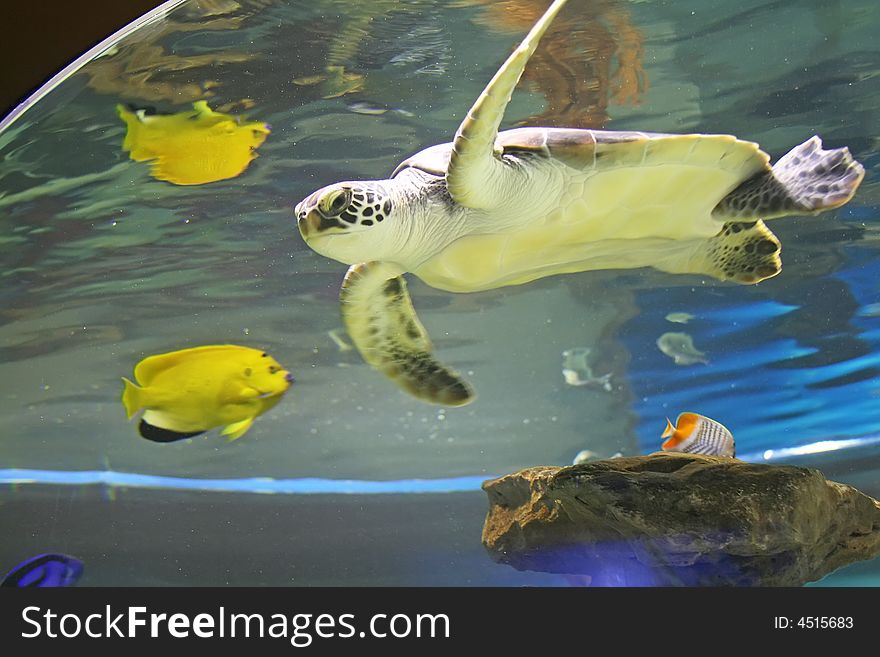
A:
(187, 392)
(193, 147)
(698, 434)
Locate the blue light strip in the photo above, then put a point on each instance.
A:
(307, 486)
(316, 486)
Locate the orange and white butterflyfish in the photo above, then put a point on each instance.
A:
(698, 434)
(193, 147)
(185, 393)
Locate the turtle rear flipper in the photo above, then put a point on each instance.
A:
(807, 180)
(383, 325)
(745, 252)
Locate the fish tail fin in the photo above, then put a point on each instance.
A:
(132, 398)
(669, 429)
(237, 430)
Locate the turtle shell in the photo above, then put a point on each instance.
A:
(587, 199)
(580, 148)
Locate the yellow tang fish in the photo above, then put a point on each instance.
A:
(185, 393)
(698, 434)
(193, 147)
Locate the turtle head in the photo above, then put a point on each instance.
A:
(348, 221)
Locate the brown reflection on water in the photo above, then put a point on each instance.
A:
(354, 21)
(591, 56)
(145, 70)
(31, 343)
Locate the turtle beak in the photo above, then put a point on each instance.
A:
(313, 224)
(309, 223)
(301, 211)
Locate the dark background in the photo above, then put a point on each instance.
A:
(40, 37)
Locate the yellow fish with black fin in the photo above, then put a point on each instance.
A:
(187, 392)
(698, 434)
(193, 147)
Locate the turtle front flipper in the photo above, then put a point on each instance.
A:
(383, 325)
(475, 171)
(806, 180)
(745, 252)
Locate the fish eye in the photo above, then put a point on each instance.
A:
(248, 371)
(334, 202)
(273, 369)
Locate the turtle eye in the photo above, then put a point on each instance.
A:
(334, 202)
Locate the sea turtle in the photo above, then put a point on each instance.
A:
(503, 208)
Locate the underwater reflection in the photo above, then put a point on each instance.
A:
(591, 56)
(357, 20)
(680, 348)
(145, 69)
(192, 147)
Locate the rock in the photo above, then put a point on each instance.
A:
(679, 519)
